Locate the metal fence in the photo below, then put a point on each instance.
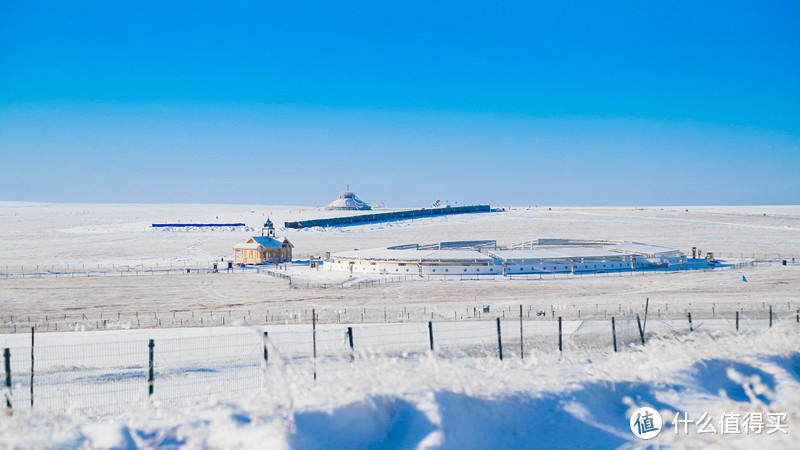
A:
(267, 314)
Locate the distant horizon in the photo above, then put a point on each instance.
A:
(516, 205)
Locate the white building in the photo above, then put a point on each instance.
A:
(348, 201)
(484, 258)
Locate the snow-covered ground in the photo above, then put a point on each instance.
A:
(212, 389)
(445, 399)
(106, 234)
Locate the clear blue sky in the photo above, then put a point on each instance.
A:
(563, 103)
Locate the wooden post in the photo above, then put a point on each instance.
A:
(641, 331)
(560, 347)
(499, 340)
(33, 333)
(646, 306)
(266, 350)
(691, 327)
(770, 316)
(430, 333)
(350, 341)
(737, 320)
(7, 359)
(614, 333)
(314, 338)
(521, 340)
(151, 372)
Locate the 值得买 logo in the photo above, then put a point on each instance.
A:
(646, 423)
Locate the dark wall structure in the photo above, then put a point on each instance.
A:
(380, 217)
(196, 225)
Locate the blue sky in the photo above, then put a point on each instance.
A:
(563, 103)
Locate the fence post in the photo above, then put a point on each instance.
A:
(797, 317)
(499, 340)
(691, 327)
(33, 333)
(521, 340)
(641, 332)
(266, 351)
(614, 332)
(770, 316)
(7, 358)
(314, 339)
(151, 372)
(350, 341)
(430, 333)
(560, 347)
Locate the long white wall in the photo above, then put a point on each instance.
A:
(432, 268)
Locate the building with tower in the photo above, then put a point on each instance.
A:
(264, 249)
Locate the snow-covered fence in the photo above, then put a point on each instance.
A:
(103, 372)
(141, 270)
(269, 314)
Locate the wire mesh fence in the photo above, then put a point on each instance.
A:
(104, 373)
(266, 314)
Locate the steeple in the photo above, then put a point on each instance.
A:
(268, 228)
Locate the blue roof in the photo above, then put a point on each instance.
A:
(267, 242)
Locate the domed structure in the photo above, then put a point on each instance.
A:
(348, 201)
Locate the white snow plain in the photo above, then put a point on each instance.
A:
(450, 399)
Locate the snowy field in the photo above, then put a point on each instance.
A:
(219, 392)
(213, 388)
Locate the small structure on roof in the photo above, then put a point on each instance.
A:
(263, 249)
(348, 201)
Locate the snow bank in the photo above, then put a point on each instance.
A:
(575, 399)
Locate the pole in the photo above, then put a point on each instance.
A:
(691, 327)
(614, 333)
(266, 351)
(770, 316)
(7, 358)
(350, 341)
(430, 333)
(560, 348)
(646, 305)
(499, 340)
(737, 320)
(521, 340)
(314, 338)
(641, 331)
(151, 372)
(33, 333)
